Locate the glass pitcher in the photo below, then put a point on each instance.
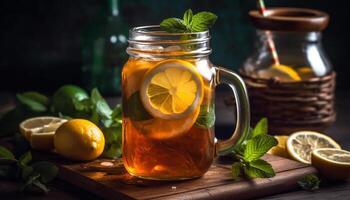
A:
(168, 105)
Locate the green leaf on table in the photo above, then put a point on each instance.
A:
(259, 169)
(113, 137)
(41, 186)
(83, 105)
(206, 117)
(48, 171)
(258, 146)
(134, 108)
(174, 25)
(6, 154)
(261, 128)
(309, 182)
(188, 16)
(35, 102)
(236, 170)
(25, 158)
(202, 21)
(29, 181)
(38, 97)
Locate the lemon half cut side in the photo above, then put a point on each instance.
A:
(172, 89)
(301, 144)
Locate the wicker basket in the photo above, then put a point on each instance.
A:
(292, 106)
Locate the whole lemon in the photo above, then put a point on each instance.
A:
(79, 139)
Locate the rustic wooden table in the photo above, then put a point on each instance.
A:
(340, 131)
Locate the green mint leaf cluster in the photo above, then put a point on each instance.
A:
(201, 21)
(206, 116)
(249, 150)
(310, 182)
(33, 176)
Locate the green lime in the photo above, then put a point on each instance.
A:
(64, 98)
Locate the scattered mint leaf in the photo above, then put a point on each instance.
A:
(310, 182)
(236, 170)
(261, 128)
(6, 154)
(47, 170)
(100, 104)
(206, 117)
(38, 97)
(113, 137)
(41, 186)
(259, 169)
(174, 25)
(188, 16)
(202, 21)
(258, 146)
(25, 159)
(29, 181)
(33, 104)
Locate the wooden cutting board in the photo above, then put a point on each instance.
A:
(108, 179)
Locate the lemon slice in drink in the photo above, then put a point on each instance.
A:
(301, 144)
(172, 89)
(283, 72)
(39, 131)
(332, 163)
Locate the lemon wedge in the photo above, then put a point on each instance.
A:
(172, 89)
(332, 163)
(282, 72)
(301, 144)
(281, 148)
(39, 131)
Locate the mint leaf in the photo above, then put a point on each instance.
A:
(202, 21)
(134, 108)
(206, 117)
(188, 17)
(236, 170)
(26, 172)
(41, 186)
(174, 25)
(100, 104)
(47, 170)
(113, 137)
(36, 96)
(259, 169)
(25, 158)
(6, 154)
(29, 181)
(261, 128)
(33, 104)
(258, 146)
(309, 182)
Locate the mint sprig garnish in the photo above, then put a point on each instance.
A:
(199, 22)
(310, 182)
(250, 149)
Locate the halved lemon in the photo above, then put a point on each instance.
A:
(172, 89)
(281, 148)
(332, 163)
(301, 144)
(283, 72)
(39, 131)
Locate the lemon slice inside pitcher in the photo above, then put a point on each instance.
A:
(172, 89)
(171, 92)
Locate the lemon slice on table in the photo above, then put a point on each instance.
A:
(332, 163)
(39, 131)
(172, 89)
(281, 148)
(301, 144)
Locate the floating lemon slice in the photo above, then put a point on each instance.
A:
(332, 163)
(39, 131)
(283, 72)
(301, 144)
(281, 148)
(172, 89)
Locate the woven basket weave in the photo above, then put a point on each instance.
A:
(292, 106)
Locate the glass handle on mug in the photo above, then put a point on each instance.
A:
(242, 106)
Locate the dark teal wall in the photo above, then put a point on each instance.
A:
(41, 45)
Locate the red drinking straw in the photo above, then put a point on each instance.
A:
(262, 10)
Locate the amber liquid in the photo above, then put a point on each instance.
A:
(165, 148)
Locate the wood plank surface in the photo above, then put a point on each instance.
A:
(113, 182)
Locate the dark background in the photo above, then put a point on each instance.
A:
(40, 40)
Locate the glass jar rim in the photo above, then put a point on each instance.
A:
(153, 33)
